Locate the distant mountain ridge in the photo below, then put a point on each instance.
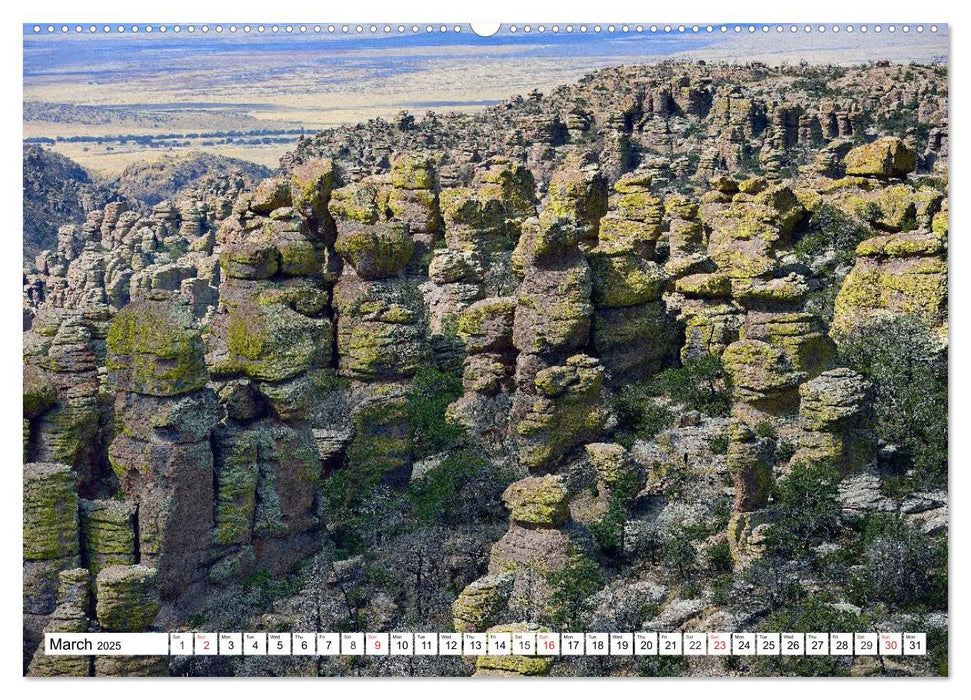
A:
(59, 191)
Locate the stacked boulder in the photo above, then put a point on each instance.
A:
(107, 533)
(702, 297)
(486, 329)
(162, 456)
(269, 349)
(70, 616)
(835, 413)
(382, 337)
(557, 403)
(128, 601)
(413, 200)
(904, 270)
(536, 544)
(51, 542)
(61, 407)
(632, 333)
(482, 225)
(750, 462)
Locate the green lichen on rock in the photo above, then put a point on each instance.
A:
(107, 533)
(482, 603)
(413, 172)
(705, 286)
(155, 348)
(537, 501)
(310, 186)
(759, 370)
(885, 157)
(625, 280)
(381, 447)
(486, 325)
(39, 392)
(610, 461)
(50, 512)
(272, 193)
(750, 461)
(270, 342)
(565, 412)
(355, 202)
(375, 251)
(128, 598)
(237, 473)
(250, 259)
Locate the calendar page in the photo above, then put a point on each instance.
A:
(523, 349)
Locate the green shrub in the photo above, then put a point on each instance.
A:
(720, 558)
(430, 394)
(609, 530)
(719, 444)
(784, 450)
(829, 228)
(808, 510)
(698, 385)
(810, 614)
(908, 370)
(638, 416)
(572, 587)
(902, 567)
(464, 487)
(680, 556)
(765, 429)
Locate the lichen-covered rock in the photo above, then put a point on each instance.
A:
(750, 462)
(273, 193)
(564, 410)
(50, 513)
(513, 665)
(833, 400)
(577, 198)
(762, 374)
(553, 310)
(380, 451)
(311, 184)
(634, 341)
(903, 274)
(746, 535)
(885, 157)
(70, 616)
(380, 328)
(413, 172)
(482, 603)
(611, 462)
(487, 325)
(128, 599)
(375, 251)
(799, 334)
(625, 280)
(267, 341)
(836, 415)
(709, 328)
(537, 501)
(107, 533)
(39, 391)
(746, 235)
(705, 286)
(155, 348)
